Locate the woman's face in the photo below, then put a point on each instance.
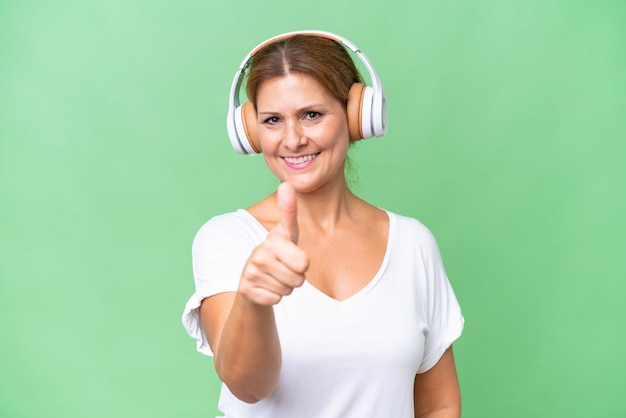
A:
(303, 132)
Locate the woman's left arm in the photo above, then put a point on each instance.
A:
(436, 393)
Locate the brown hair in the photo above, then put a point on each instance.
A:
(326, 60)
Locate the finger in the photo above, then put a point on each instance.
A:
(268, 287)
(285, 277)
(287, 211)
(292, 258)
(281, 259)
(278, 284)
(260, 296)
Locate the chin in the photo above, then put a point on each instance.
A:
(303, 186)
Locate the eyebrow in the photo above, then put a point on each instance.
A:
(300, 110)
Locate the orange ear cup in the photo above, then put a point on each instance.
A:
(355, 103)
(249, 119)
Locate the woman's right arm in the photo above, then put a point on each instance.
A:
(240, 326)
(245, 344)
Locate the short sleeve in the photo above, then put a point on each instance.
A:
(442, 311)
(219, 252)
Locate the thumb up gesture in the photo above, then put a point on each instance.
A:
(277, 266)
(287, 212)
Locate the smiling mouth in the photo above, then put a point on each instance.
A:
(301, 159)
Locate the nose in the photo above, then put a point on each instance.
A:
(294, 137)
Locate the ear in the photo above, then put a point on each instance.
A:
(250, 121)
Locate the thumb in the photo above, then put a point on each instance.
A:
(287, 211)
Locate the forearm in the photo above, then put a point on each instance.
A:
(437, 393)
(248, 358)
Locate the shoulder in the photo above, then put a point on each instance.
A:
(406, 227)
(265, 211)
(231, 227)
(412, 238)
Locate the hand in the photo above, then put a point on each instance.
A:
(277, 266)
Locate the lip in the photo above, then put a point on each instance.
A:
(300, 162)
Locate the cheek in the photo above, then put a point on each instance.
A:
(335, 131)
(267, 139)
(341, 135)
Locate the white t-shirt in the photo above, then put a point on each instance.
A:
(353, 358)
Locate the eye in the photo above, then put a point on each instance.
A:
(312, 115)
(271, 120)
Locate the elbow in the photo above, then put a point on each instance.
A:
(250, 395)
(248, 389)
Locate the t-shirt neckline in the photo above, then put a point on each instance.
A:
(365, 289)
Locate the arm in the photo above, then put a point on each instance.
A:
(240, 326)
(436, 392)
(245, 344)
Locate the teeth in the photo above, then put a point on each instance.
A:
(300, 160)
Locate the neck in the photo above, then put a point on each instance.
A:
(320, 211)
(324, 209)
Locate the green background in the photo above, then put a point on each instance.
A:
(506, 138)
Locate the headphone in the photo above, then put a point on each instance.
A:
(367, 106)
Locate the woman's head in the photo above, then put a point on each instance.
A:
(323, 59)
(301, 88)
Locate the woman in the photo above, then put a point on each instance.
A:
(313, 302)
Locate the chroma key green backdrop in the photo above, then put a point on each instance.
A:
(506, 138)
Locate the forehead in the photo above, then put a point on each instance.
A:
(291, 86)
